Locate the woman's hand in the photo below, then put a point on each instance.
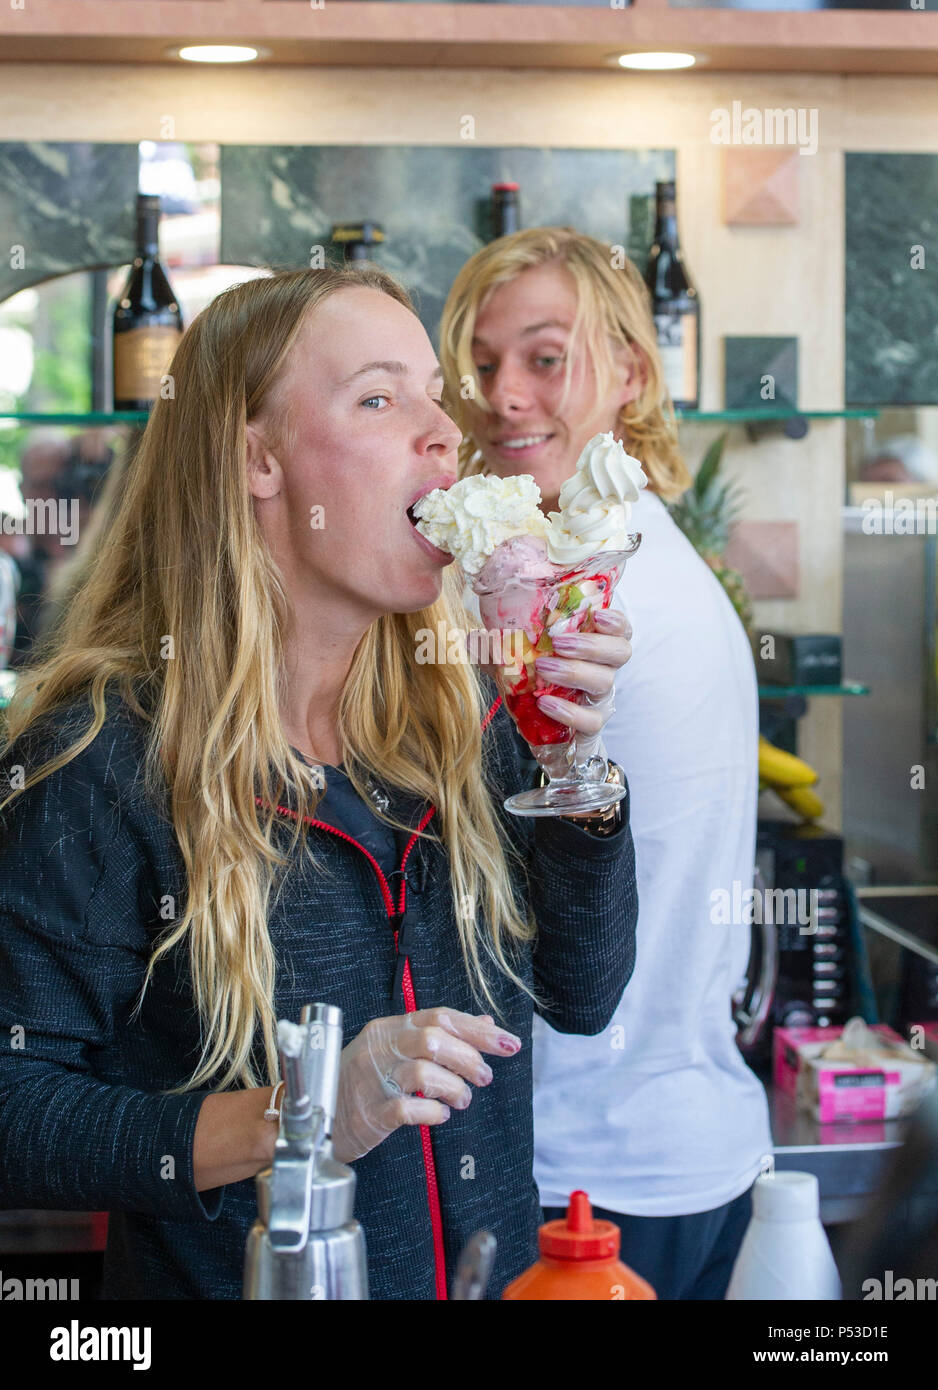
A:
(587, 661)
(434, 1052)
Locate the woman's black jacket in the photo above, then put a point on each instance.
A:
(90, 873)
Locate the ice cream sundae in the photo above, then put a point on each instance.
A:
(536, 575)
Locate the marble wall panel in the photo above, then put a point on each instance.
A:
(891, 243)
(278, 202)
(68, 206)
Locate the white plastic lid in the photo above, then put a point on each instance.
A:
(786, 1197)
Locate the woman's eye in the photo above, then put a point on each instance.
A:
(368, 399)
(545, 361)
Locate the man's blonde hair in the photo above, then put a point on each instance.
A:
(613, 306)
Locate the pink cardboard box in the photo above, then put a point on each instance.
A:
(836, 1091)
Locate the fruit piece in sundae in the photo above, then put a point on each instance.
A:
(536, 727)
(577, 600)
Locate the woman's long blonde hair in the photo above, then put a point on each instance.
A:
(613, 306)
(183, 612)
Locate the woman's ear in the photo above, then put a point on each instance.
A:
(264, 472)
(636, 376)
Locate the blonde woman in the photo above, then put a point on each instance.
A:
(546, 340)
(234, 791)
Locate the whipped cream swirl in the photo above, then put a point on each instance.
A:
(595, 503)
(479, 512)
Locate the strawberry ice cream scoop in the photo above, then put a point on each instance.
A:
(521, 557)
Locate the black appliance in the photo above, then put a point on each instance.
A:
(802, 967)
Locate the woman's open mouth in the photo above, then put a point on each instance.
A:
(522, 446)
(428, 546)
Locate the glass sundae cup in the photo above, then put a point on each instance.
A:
(526, 609)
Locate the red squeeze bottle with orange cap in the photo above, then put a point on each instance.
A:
(579, 1260)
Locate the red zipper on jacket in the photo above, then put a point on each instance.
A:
(410, 1000)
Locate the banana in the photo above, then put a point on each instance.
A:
(803, 801)
(781, 769)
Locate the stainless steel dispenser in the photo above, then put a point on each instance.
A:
(306, 1243)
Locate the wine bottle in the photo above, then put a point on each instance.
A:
(147, 318)
(675, 305)
(506, 209)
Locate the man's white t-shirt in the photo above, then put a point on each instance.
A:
(659, 1115)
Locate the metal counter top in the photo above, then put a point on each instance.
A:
(848, 1159)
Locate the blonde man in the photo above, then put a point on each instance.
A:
(546, 341)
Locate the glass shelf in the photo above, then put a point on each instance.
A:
(91, 417)
(744, 417)
(740, 417)
(779, 692)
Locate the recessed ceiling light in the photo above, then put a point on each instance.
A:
(217, 53)
(656, 62)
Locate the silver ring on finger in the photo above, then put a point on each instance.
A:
(389, 1086)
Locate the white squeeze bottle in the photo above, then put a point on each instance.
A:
(785, 1253)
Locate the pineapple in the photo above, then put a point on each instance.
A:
(704, 514)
